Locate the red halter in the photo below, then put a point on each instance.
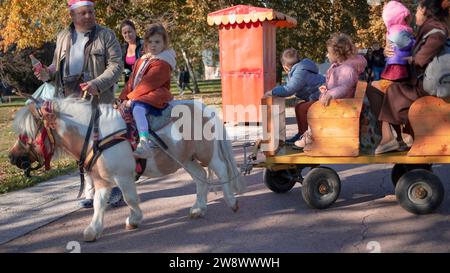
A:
(46, 116)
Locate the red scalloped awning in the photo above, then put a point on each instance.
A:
(246, 14)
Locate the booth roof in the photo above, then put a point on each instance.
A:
(246, 14)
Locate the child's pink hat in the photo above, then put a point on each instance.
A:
(394, 13)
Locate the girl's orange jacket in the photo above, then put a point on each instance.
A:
(154, 87)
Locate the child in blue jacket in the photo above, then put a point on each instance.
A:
(303, 80)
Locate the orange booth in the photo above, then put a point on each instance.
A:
(248, 58)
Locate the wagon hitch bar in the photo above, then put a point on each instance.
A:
(249, 161)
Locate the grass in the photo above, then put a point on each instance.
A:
(16, 181)
(17, 102)
(206, 87)
(210, 92)
(12, 178)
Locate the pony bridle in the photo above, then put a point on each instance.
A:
(27, 144)
(45, 118)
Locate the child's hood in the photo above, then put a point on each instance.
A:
(168, 56)
(358, 62)
(394, 13)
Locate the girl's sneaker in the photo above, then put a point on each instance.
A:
(305, 140)
(144, 148)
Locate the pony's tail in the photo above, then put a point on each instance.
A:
(225, 152)
(237, 182)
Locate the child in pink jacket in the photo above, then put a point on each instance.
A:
(396, 17)
(342, 76)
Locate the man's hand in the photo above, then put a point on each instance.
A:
(325, 99)
(125, 104)
(41, 73)
(267, 94)
(89, 87)
(128, 103)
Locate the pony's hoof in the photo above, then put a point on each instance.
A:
(89, 240)
(235, 208)
(89, 235)
(196, 213)
(130, 227)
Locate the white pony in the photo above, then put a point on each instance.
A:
(116, 165)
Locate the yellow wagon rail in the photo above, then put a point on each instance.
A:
(287, 155)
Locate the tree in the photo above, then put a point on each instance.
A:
(349, 15)
(30, 23)
(26, 26)
(312, 30)
(376, 30)
(16, 70)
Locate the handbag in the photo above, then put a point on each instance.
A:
(45, 92)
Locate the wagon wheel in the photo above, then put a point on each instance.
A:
(400, 169)
(419, 191)
(281, 181)
(321, 187)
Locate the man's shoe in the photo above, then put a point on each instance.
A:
(115, 197)
(293, 139)
(87, 203)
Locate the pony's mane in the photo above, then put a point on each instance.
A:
(24, 123)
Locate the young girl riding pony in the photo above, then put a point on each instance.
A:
(148, 90)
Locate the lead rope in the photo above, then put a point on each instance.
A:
(94, 117)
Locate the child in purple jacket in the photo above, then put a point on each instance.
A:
(396, 17)
(342, 76)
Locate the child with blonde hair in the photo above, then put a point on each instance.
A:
(341, 78)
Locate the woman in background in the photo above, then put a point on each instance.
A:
(132, 48)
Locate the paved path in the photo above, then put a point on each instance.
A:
(31, 208)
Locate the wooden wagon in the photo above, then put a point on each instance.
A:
(336, 141)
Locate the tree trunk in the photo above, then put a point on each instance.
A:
(191, 71)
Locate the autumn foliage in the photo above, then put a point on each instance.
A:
(31, 23)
